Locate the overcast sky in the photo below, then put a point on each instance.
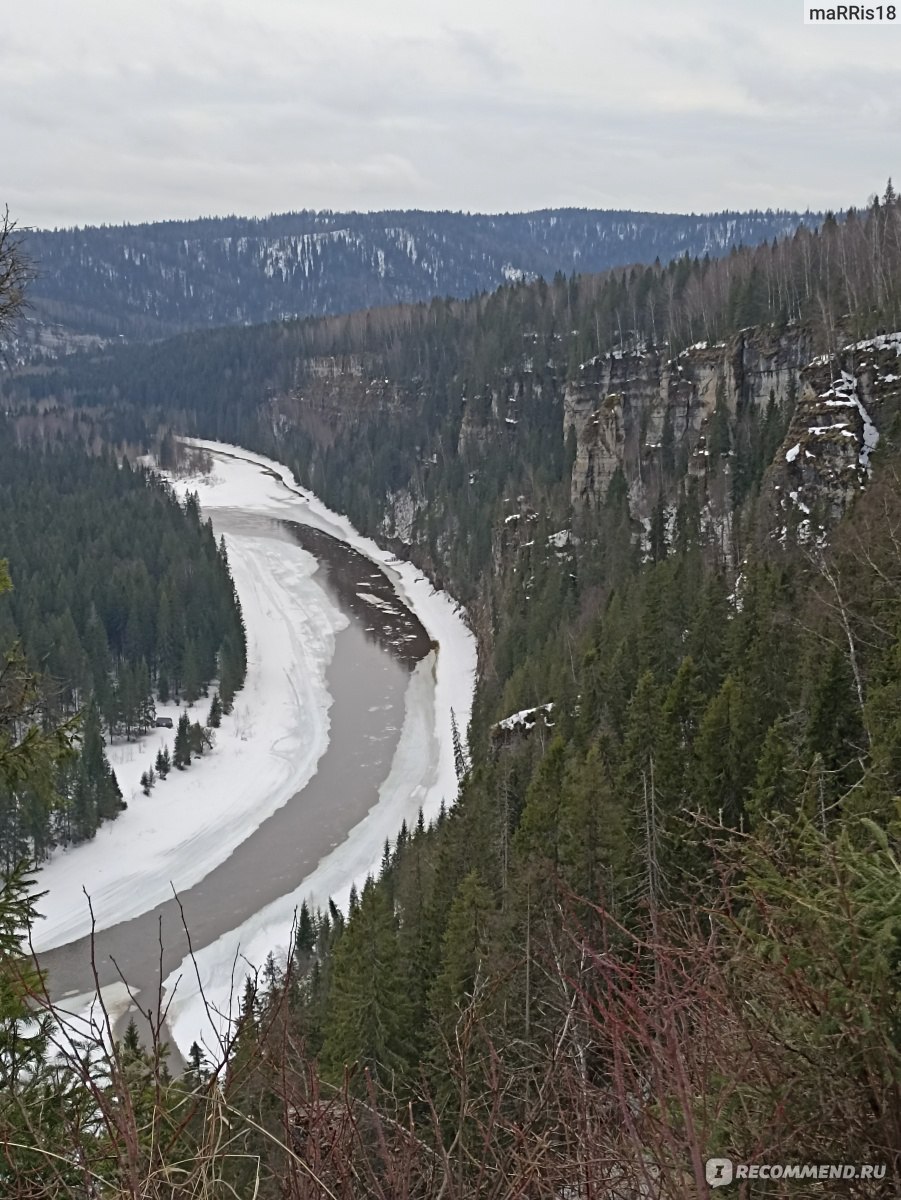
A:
(114, 110)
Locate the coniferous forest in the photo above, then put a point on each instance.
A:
(154, 280)
(661, 920)
(120, 596)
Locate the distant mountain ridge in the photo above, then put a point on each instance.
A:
(141, 282)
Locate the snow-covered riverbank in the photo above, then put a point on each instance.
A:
(268, 749)
(422, 773)
(265, 752)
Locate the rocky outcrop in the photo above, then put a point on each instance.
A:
(659, 419)
(645, 412)
(488, 417)
(844, 402)
(400, 513)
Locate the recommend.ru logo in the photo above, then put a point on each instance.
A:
(719, 1171)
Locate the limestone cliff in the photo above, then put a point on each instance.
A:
(654, 418)
(845, 401)
(661, 420)
(646, 413)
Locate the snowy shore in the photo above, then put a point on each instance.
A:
(267, 750)
(419, 778)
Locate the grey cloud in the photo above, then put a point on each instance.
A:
(219, 107)
(484, 50)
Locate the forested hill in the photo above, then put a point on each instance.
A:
(148, 281)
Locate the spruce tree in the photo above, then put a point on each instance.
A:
(306, 936)
(214, 720)
(726, 750)
(196, 1069)
(146, 709)
(181, 757)
(778, 780)
(100, 795)
(460, 764)
(538, 834)
(594, 848)
(111, 704)
(163, 763)
(369, 998)
(190, 674)
(198, 739)
(466, 951)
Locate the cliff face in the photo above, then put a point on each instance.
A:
(654, 418)
(335, 397)
(843, 404)
(331, 395)
(647, 414)
(661, 421)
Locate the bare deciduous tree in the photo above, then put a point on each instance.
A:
(15, 272)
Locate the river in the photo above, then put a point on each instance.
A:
(368, 678)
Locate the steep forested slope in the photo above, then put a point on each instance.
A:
(146, 281)
(475, 432)
(426, 421)
(634, 933)
(119, 595)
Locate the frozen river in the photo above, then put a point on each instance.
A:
(342, 731)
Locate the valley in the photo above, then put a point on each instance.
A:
(654, 883)
(450, 601)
